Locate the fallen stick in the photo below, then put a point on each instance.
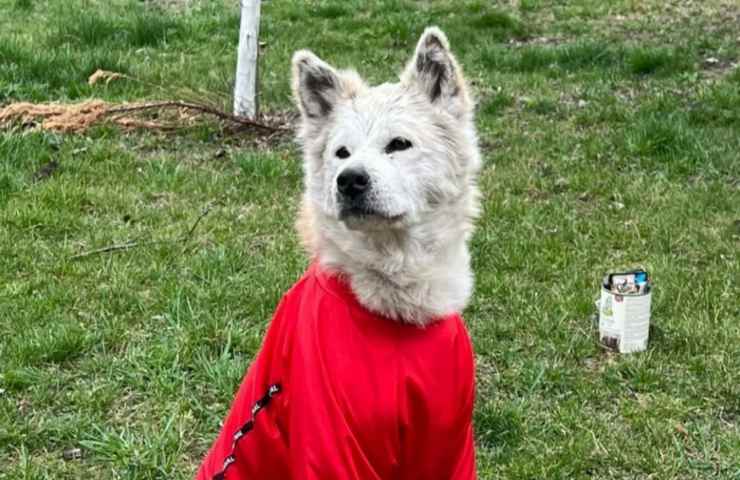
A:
(205, 212)
(109, 248)
(197, 107)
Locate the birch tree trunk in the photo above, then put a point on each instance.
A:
(245, 90)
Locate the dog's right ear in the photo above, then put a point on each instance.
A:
(316, 85)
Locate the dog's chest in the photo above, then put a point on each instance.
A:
(350, 371)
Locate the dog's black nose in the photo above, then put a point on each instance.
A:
(353, 182)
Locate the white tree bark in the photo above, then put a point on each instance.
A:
(245, 90)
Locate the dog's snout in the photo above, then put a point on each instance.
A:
(353, 182)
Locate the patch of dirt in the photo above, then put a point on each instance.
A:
(486, 373)
(650, 21)
(550, 41)
(535, 194)
(715, 68)
(46, 171)
(171, 4)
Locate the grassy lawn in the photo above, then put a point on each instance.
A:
(611, 132)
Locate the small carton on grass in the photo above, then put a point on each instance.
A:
(624, 311)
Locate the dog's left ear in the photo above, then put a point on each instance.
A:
(434, 70)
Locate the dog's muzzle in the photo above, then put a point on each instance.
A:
(357, 201)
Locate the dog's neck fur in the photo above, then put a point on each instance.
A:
(409, 275)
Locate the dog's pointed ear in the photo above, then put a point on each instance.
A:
(316, 85)
(434, 70)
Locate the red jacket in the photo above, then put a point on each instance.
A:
(338, 392)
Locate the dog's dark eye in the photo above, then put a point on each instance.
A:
(342, 152)
(397, 144)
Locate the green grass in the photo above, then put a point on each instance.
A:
(608, 143)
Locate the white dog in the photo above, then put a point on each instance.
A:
(390, 174)
(367, 370)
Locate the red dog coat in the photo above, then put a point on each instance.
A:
(338, 392)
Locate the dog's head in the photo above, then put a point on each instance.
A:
(389, 156)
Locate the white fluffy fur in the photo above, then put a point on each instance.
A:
(411, 261)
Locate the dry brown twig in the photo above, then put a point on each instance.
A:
(111, 248)
(196, 107)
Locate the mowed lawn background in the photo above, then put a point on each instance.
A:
(611, 136)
